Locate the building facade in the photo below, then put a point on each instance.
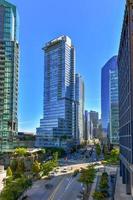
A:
(87, 125)
(79, 111)
(26, 139)
(94, 119)
(58, 123)
(125, 74)
(9, 64)
(105, 101)
(114, 108)
(2, 177)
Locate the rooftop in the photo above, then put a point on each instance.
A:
(59, 39)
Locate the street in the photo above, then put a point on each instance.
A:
(62, 185)
(69, 188)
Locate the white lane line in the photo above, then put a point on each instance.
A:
(68, 185)
(56, 189)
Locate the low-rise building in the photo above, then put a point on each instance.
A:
(2, 177)
(26, 139)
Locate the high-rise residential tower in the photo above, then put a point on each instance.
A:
(79, 112)
(114, 108)
(105, 105)
(59, 93)
(125, 79)
(9, 64)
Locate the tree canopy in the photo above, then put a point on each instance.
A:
(98, 149)
(9, 172)
(87, 176)
(21, 151)
(36, 167)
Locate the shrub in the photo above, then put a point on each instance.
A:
(98, 195)
(103, 185)
(9, 172)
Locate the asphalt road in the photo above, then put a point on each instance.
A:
(63, 185)
(69, 189)
(39, 191)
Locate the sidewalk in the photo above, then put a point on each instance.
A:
(109, 170)
(120, 190)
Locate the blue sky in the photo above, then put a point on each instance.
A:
(94, 27)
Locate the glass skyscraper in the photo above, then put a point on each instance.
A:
(79, 112)
(114, 108)
(59, 93)
(125, 74)
(105, 105)
(9, 64)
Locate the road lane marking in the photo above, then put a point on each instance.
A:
(68, 186)
(69, 183)
(56, 189)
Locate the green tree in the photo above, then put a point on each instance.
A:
(15, 188)
(55, 159)
(103, 185)
(115, 153)
(98, 150)
(36, 167)
(105, 151)
(47, 167)
(87, 176)
(112, 157)
(55, 156)
(20, 167)
(14, 164)
(21, 151)
(98, 195)
(9, 172)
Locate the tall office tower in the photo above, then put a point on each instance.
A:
(59, 93)
(114, 108)
(91, 130)
(110, 65)
(94, 118)
(9, 63)
(79, 100)
(87, 130)
(125, 82)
